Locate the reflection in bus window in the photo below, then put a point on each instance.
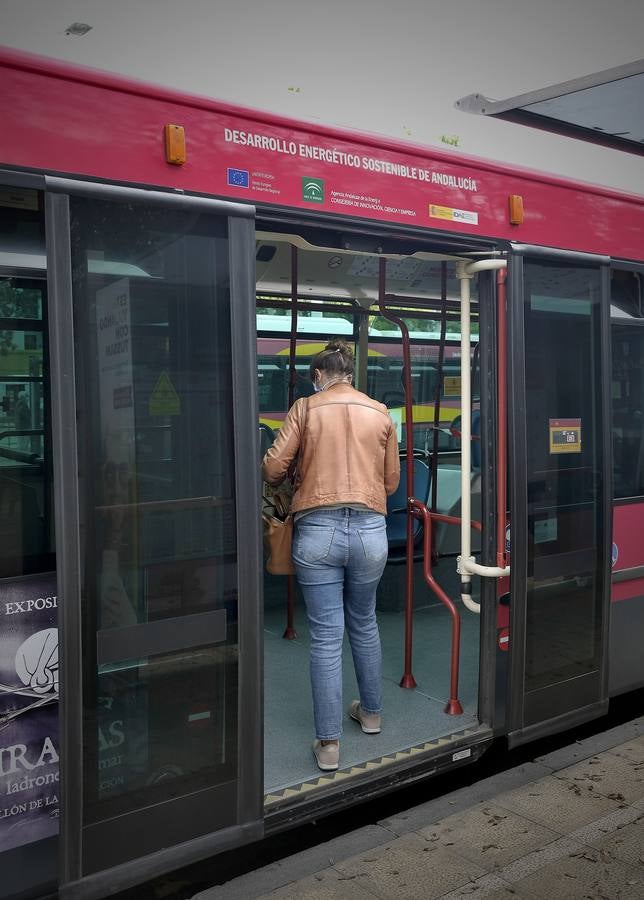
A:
(29, 675)
(26, 520)
(628, 409)
(151, 290)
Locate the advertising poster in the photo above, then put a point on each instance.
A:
(28, 710)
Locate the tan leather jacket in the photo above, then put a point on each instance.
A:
(349, 451)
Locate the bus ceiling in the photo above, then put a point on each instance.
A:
(350, 274)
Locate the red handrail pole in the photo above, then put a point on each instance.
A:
(407, 680)
(292, 347)
(289, 632)
(453, 707)
(455, 520)
(501, 437)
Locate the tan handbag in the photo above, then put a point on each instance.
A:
(278, 536)
(278, 523)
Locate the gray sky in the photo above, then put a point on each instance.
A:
(390, 68)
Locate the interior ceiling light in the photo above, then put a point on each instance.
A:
(78, 28)
(605, 108)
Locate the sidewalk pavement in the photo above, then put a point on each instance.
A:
(568, 826)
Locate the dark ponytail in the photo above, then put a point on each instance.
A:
(336, 359)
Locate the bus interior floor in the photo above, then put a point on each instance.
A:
(410, 717)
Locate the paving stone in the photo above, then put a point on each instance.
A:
(462, 799)
(626, 843)
(619, 778)
(408, 868)
(591, 746)
(607, 825)
(489, 887)
(633, 750)
(489, 835)
(583, 874)
(298, 866)
(557, 805)
(573, 834)
(325, 885)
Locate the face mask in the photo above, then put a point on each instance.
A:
(316, 387)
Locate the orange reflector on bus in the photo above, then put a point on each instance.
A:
(175, 144)
(516, 209)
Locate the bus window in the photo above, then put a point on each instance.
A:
(28, 591)
(627, 388)
(385, 383)
(26, 520)
(273, 372)
(628, 409)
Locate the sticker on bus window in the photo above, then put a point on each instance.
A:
(452, 386)
(396, 415)
(565, 435)
(545, 530)
(164, 400)
(19, 198)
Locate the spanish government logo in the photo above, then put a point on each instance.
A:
(313, 190)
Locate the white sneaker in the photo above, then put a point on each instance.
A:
(369, 722)
(327, 755)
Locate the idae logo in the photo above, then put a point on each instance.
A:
(313, 190)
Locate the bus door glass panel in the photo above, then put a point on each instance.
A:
(28, 594)
(157, 484)
(26, 544)
(627, 403)
(628, 409)
(565, 470)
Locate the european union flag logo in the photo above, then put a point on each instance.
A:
(238, 177)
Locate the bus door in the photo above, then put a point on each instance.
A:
(560, 490)
(28, 594)
(155, 464)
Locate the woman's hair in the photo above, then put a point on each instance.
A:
(336, 359)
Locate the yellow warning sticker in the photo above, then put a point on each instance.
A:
(164, 400)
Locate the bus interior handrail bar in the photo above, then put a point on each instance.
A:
(420, 511)
(407, 680)
(161, 505)
(467, 566)
(22, 433)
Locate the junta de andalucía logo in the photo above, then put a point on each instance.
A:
(313, 190)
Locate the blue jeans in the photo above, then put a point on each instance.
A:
(339, 557)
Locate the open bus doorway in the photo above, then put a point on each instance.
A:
(335, 293)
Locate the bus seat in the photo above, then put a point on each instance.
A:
(397, 508)
(266, 438)
(476, 437)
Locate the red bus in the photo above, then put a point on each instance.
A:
(168, 264)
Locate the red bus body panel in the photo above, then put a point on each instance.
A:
(628, 519)
(63, 119)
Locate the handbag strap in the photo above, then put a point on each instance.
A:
(294, 468)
